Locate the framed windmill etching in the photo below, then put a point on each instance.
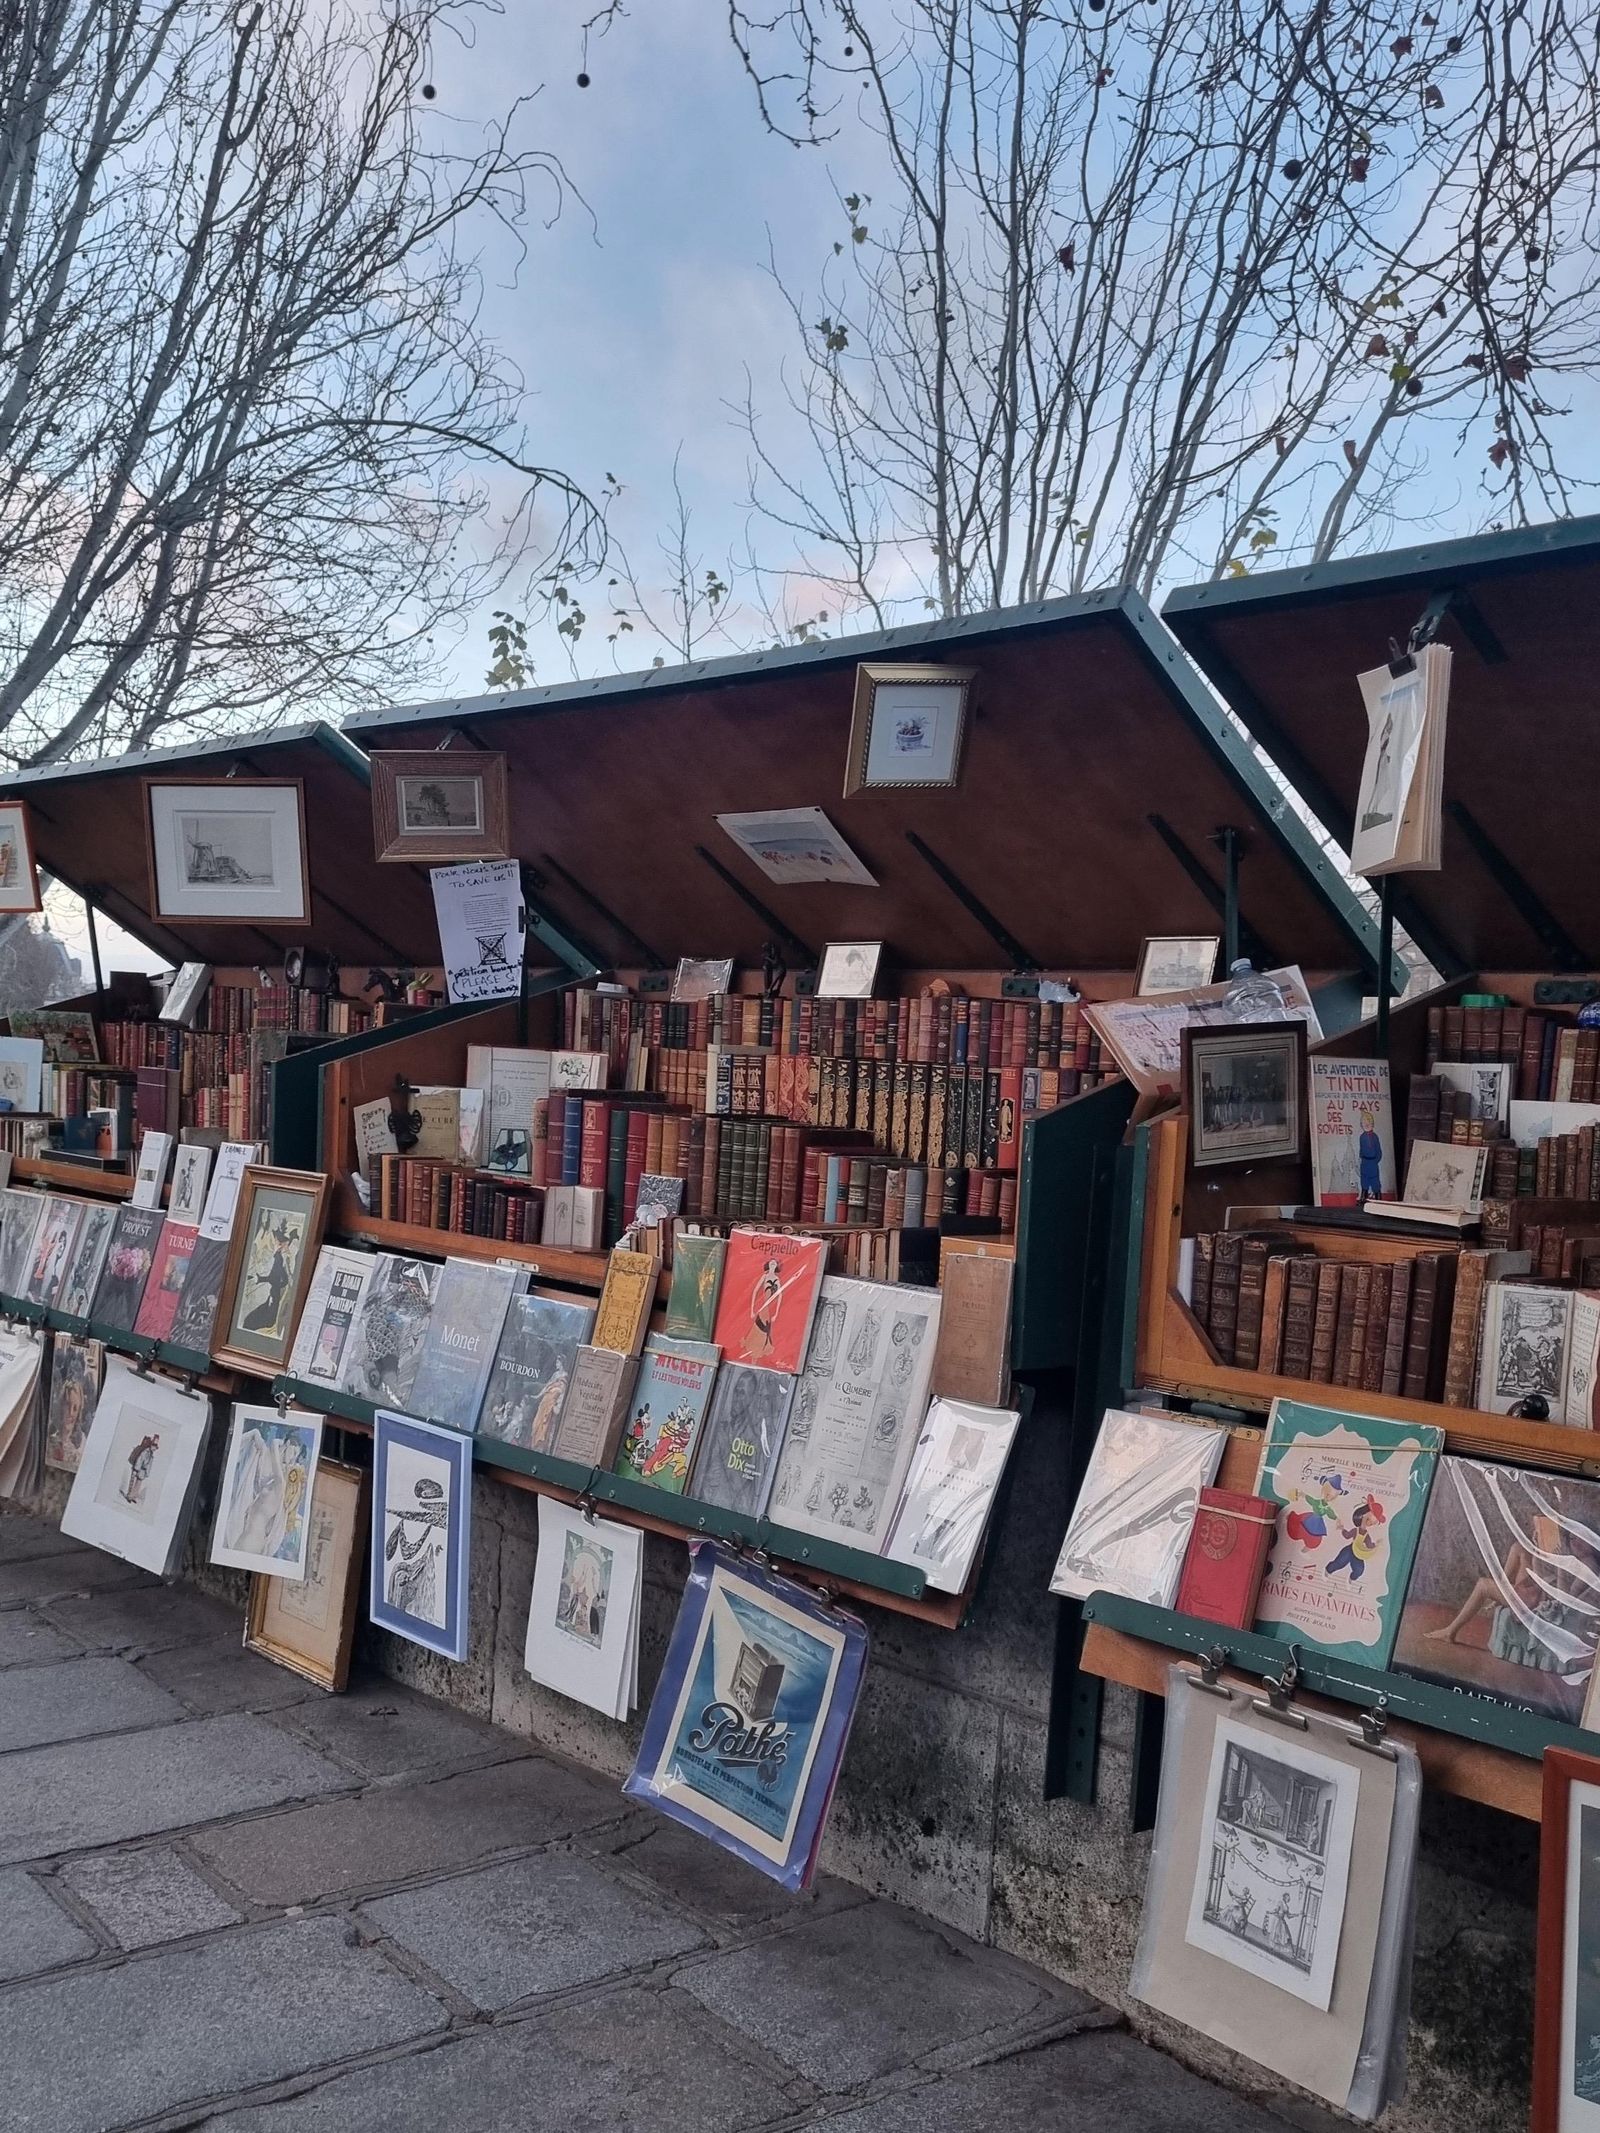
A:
(227, 851)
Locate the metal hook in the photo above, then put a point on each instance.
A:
(1280, 1690)
(585, 1505)
(1374, 1724)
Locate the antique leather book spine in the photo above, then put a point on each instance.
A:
(1394, 1346)
(1225, 1273)
(1252, 1287)
(1379, 1278)
(1354, 1294)
(1274, 1299)
(1226, 1556)
(1466, 1318)
(1419, 1329)
(1325, 1326)
(1200, 1289)
(1299, 1318)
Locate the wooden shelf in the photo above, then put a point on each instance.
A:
(1173, 1355)
(72, 1177)
(581, 1270)
(1473, 1770)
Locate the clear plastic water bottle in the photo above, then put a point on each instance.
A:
(1252, 996)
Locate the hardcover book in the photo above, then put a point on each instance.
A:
(515, 1081)
(1501, 1597)
(22, 1214)
(770, 1284)
(169, 1268)
(857, 1411)
(127, 1268)
(1524, 1346)
(950, 1490)
(88, 1259)
(589, 1426)
(1350, 1491)
(464, 1327)
(200, 1296)
(626, 1301)
(390, 1330)
(1352, 1132)
(531, 1369)
(741, 1437)
(332, 1301)
(665, 1411)
(1130, 1526)
(1227, 1553)
(52, 1248)
(972, 1361)
(696, 1282)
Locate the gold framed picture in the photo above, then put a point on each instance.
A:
(227, 851)
(439, 804)
(19, 875)
(310, 1627)
(907, 725)
(277, 1228)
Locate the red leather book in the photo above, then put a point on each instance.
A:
(1226, 1556)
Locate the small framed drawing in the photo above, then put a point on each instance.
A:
(702, 977)
(1244, 1089)
(227, 851)
(1566, 1997)
(907, 725)
(19, 876)
(421, 1532)
(439, 804)
(310, 1627)
(849, 970)
(277, 1228)
(1176, 962)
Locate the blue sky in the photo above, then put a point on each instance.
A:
(636, 314)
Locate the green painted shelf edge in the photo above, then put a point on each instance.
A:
(1421, 1703)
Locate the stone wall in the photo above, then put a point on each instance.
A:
(941, 1800)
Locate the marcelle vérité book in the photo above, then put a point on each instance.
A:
(770, 1283)
(1351, 1490)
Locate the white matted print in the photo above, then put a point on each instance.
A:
(1578, 2070)
(187, 1197)
(228, 850)
(582, 1620)
(906, 725)
(796, 844)
(1274, 1861)
(134, 1481)
(19, 877)
(264, 1502)
(421, 1532)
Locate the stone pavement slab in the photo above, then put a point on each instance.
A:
(27, 1638)
(79, 1795)
(21, 1538)
(706, 1880)
(801, 1996)
(145, 1897)
(169, 2030)
(1104, 2082)
(78, 1697)
(629, 2062)
(150, 1615)
(396, 1832)
(222, 1676)
(69, 1573)
(385, 1731)
(35, 1933)
(534, 1925)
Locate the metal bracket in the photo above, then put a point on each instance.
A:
(753, 902)
(1249, 942)
(619, 926)
(1374, 1724)
(1209, 1677)
(1520, 893)
(1001, 935)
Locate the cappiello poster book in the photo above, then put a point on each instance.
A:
(769, 1297)
(1351, 1491)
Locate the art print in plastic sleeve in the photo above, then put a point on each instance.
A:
(750, 1716)
(421, 1532)
(1136, 1506)
(950, 1490)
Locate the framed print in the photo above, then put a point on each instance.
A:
(21, 1073)
(67, 1033)
(1244, 1089)
(439, 804)
(702, 977)
(906, 726)
(277, 1228)
(849, 970)
(267, 1480)
(310, 1627)
(792, 845)
(226, 851)
(1176, 962)
(1566, 1997)
(19, 876)
(421, 1532)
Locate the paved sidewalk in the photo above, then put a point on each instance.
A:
(229, 1901)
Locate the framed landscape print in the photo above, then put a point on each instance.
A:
(276, 1230)
(19, 877)
(439, 804)
(226, 851)
(1566, 2004)
(1244, 1089)
(310, 1627)
(906, 725)
(1176, 962)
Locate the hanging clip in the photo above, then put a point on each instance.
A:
(585, 1504)
(1374, 1724)
(141, 1368)
(280, 1399)
(1279, 1700)
(1209, 1677)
